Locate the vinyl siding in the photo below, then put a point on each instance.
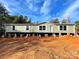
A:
(55, 28)
(17, 29)
(50, 28)
(64, 31)
(71, 29)
(34, 29)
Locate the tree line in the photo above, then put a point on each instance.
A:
(6, 18)
(64, 21)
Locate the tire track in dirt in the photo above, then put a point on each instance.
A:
(45, 48)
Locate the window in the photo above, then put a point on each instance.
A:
(42, 27)
(27, 27)
(62, 27)
(13, 27)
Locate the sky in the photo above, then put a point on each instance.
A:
(43, 10)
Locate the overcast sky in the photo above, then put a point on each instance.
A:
(43, 10)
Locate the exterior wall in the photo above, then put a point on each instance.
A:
(50, 28)
(8, 29)
(64, 31)
(55, 28)
(33, 29)
(17, 29)
(71, 29)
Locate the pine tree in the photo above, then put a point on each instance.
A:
(3, 19)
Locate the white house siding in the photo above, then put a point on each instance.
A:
(8, 29)
(48, 28)
(21, 29)
(71, 29)
(56, 28)
(17, 29)
(33, 28)
(64, 31)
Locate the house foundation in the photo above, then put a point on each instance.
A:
(21, 35)
(14, 35)
(39, 35)
(46, 35)
(26, 35)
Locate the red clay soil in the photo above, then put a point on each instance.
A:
(64, 47)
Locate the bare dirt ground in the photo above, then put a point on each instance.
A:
(65, 47)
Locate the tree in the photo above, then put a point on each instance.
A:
(15, 18)
(77, 22)
(55, 20)
(77, 26)
(20, 19)
(3, 13)
(29, 21)
(66, 21)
